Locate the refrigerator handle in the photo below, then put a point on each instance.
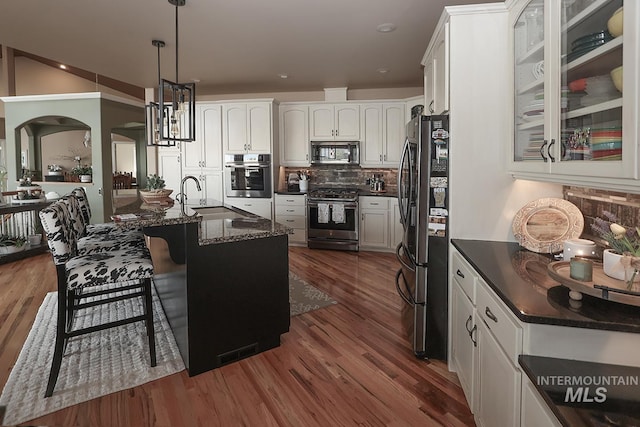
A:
(407, 298)
(403, 212)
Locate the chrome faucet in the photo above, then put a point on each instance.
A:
(182, 194)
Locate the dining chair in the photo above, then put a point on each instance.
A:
(93, 281)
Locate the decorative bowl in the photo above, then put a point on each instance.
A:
(615, 23)
(616, 76)
(155, 196)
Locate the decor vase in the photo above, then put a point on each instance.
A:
(613, 266)
(85, 178)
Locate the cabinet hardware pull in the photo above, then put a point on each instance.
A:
(289, 200)
(374, 204)
(384, 157)
(553, 159)
(466, 325)
(290, 210)
(459, 273)
(473, 340)
(490, 315)
(542, 151)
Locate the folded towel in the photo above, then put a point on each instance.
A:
(337, 213)
(323, 213)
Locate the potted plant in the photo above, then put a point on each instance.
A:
(622, 259)
(155, 192)
(9, 245)
(82, 172)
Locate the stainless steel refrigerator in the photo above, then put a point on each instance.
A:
(423, 195)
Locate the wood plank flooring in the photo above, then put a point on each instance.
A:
(345, 365)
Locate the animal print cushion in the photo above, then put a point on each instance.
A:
(75, 215)
(81, 195)
(107, 267)
(56, 224)
(111, 243)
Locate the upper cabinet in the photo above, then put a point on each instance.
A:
(206, 150)
(294, 135)
(334, 122)
(572, 123)
(247, 127)
(436, 73)
(381, 134)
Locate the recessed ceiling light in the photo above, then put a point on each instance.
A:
(283, 76)
(195, 80)
(385, 28)
(64, 67)
(383, 70)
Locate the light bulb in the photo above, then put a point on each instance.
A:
(175, 128)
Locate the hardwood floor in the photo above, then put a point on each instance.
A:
(344, 365)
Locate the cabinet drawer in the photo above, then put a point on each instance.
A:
(290, 200)
(465, 275)
(296, 222)
(500, 322)
(291, 210)
(374, 202)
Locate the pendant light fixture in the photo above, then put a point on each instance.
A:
(172, 118)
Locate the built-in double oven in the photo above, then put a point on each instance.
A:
(248, 175)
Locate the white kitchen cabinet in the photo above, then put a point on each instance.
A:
(210, 186)
(535, 412)
(291, 210)
(170, 168)
(498, 383)
(247, 127)
(334, 122)
(572, 137)
(412, 102)
(260, 207)
(374, 222)
(441, 71)
(294, 135)
(464, 330)
(427, 62)
(396, 228)
(382, 132)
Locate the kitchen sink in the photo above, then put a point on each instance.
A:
(217, 212)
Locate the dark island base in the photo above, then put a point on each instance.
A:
(224, 302)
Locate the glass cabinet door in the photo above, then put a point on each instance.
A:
(590, 125)
(530, 145)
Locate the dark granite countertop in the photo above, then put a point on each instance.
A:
(519, 277)
(236, 225)
(618, 404)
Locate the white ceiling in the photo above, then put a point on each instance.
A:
(232, 46)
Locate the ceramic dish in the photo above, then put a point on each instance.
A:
(544, 224)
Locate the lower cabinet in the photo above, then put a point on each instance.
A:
(534, 411)
(291, 210)
(260, 207)
(464, 345)
(210, 184)
(374, 222)
(498, 383)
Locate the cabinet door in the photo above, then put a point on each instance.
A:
(294, 135)
(347, 122)
(210, 124)
(498, 383)
(396, 228)
(374, 228)
(463, 345)
(441, 71)
(259, 127)
(428, 85)
(192, 151)
(321, 123)
(535, 412)
(235, 128)
(170, 169)
(371, 131)
(393, 133)
(212, 185)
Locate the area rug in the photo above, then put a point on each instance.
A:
(94, 365)
(303, 297)
(107, 361)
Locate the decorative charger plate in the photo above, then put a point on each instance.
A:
(544, 224)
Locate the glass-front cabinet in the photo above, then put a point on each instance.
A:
(570, 115)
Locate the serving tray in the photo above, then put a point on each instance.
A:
(602, 286)
(544, 224)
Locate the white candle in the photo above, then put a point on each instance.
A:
(575, 247)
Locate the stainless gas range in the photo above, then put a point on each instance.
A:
(332, 219)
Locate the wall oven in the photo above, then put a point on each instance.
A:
(332, 219)
(247, 175)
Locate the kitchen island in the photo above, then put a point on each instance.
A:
(222, 276)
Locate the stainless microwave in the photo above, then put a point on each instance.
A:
(335, 152)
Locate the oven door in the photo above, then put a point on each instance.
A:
(324, 226)
(248, 180)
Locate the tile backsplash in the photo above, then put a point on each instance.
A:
(592, 203)
(346, 176)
